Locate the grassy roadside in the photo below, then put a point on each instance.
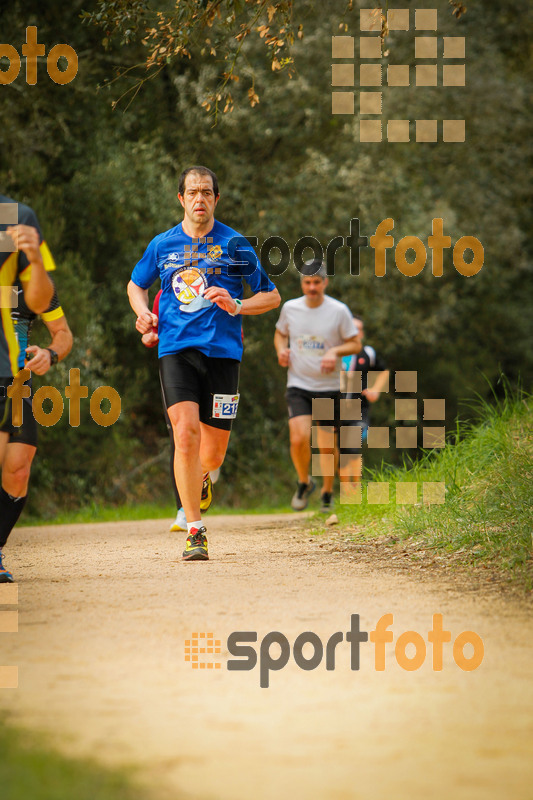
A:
(107, 513)
(487, 514)
(29, 770)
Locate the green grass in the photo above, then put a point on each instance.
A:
(488, 472)
(29, 770)
(107, 513)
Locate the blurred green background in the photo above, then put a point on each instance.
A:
(103, 181)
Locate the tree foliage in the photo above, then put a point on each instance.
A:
(216, 29)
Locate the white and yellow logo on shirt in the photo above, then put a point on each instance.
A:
(188, 283)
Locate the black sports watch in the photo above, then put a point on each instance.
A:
(54, 358)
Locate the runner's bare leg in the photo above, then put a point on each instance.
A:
(3, 444)
(213, 446)
(351, 469)
(300, 436)
(16, 468)
(323, 441)
(185, 420)
(199, 448)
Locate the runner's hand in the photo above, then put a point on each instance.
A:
(284, 357)
(328, 362)
(370, 395)
(26, 238)
(221, 297)
(41, 361)
(145, 322)
(150, 339)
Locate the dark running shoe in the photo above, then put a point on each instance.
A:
(326, 502)
(207, 493)
(196, 547)
(5, 575)
(302, 494)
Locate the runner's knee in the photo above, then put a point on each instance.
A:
(212, 455)
(299, 437)
(15, 478)
(213, 460)
(186, 437)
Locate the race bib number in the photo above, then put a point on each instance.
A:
(225, 406)
(310, 345)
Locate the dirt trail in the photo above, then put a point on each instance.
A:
(105, 610)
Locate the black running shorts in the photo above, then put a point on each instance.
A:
(27, 432)
(212, 383)
(300, 403)
(5, 406)
(358, 423)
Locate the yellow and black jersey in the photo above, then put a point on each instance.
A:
(15, 270)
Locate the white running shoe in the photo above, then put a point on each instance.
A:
(180, 523)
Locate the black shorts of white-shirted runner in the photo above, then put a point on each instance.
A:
(300, 403)
(191, 375)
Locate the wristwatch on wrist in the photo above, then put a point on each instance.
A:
(238, 307)
(54, 358)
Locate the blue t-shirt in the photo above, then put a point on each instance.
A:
(187, 267)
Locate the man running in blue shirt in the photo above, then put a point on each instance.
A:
(201, 264)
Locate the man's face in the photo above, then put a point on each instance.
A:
(198, 198)
(313, 286)
(359, 324)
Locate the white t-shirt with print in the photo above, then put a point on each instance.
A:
(311, 332)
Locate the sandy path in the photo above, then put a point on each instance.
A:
(104, 613)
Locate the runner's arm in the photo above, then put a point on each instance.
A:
(151, 338)
(379, 384)
(348, 348)
(281, 343)
(258, 303)
(138, 298)
(38, 290)
(61, 343)
(261, 302)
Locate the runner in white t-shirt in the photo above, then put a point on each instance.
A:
(312, 334)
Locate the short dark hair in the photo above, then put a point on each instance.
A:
(200, 171)
(356, 316)
(313, 267)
